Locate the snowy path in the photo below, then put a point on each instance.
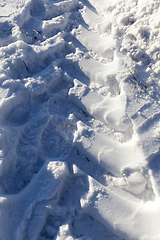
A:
(79, 120)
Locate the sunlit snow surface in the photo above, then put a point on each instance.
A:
(79, 120)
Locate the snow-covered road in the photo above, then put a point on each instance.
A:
(79, 120)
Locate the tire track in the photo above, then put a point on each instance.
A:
(39, 193)
(98, 64)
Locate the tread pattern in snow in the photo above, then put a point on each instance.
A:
(79, 129)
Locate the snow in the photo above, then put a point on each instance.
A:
(79, 120)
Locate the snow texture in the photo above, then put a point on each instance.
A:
(79, 120)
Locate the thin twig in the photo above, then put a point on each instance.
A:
(25, 65)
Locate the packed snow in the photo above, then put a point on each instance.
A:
(79, 120)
